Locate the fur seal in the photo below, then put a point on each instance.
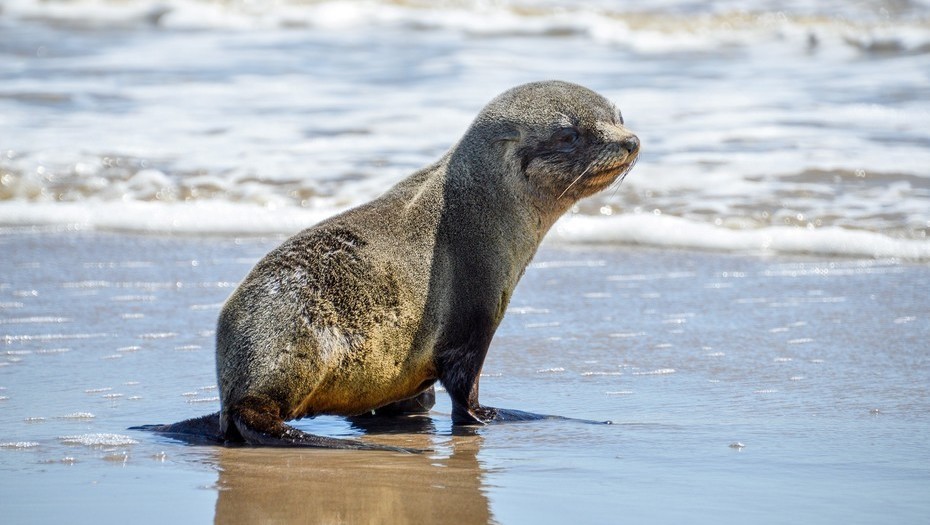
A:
(365, 311)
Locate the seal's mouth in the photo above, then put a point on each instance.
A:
(619, 170)
(608, 171)
(612, 164)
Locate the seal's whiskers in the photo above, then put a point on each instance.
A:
(619, 181)
(576, 180)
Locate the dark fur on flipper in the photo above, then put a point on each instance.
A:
(366, 310)
(205, 430)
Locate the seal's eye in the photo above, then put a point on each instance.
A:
(565, 139)
(619, 117)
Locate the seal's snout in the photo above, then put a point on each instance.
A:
(630, 144)
(618, 138)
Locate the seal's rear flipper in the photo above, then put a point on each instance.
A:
(258, 424)
(421, 403)
(293, 437)
(204, 430)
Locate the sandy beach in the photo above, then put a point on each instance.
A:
(741, 388)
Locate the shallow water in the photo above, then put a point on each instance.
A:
(777, 127)
(742, 389)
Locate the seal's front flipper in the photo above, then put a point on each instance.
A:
(506, 414)
(483, 415)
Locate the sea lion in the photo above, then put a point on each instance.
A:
(365, 311)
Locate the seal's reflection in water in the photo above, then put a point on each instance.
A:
(282, 485)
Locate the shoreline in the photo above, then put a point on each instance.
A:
(629, 231)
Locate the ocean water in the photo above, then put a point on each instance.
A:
(772, 127)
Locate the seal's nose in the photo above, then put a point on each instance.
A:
(631, 143)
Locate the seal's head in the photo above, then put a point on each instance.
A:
(565, 140)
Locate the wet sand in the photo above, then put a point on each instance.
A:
(742, 389)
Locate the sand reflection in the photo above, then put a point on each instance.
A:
(264, 485)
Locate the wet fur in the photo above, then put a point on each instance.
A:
(368, 309)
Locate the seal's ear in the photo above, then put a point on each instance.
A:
(507, 134)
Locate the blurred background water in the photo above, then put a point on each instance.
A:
(767, 126)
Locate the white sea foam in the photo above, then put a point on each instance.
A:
(779, 127)
(19, 445)
(36, 319)
(98, 440)
(653, 230)
(658, 372)
(598, 18)
(78, 415)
